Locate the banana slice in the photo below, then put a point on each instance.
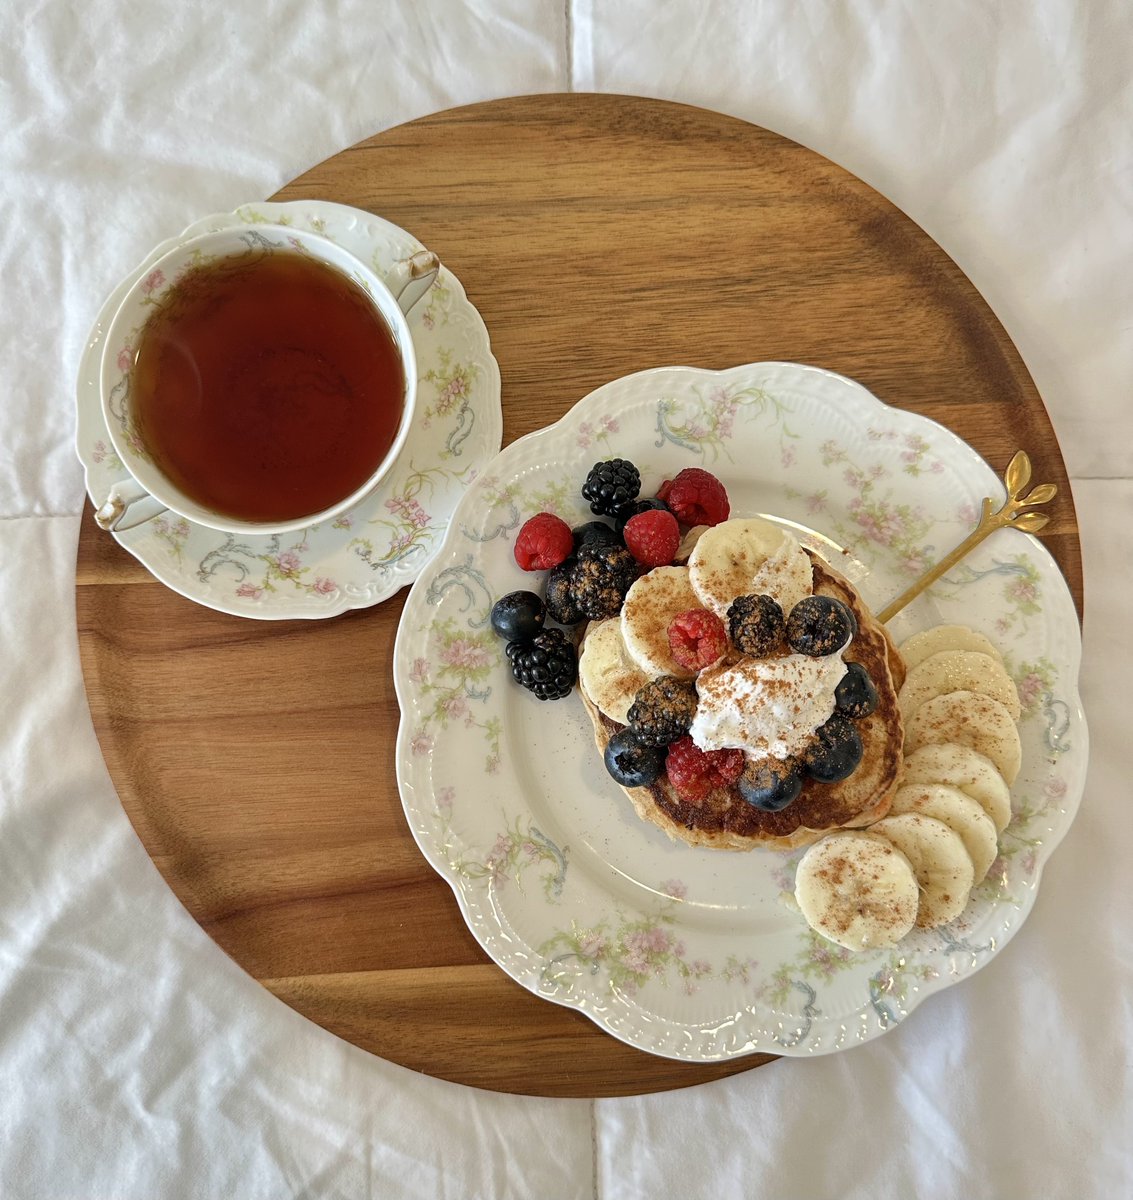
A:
(650, 604)
(958, 671)
(939, 860)
(688, 543)
(962, 767)
(945, 637)
(857, 890)
(959, 812)
(972, 720)
(726, 557)
(605, 672)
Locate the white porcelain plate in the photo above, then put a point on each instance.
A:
(367, 554)
(694, 953)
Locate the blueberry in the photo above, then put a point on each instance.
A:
(594, 533)
(771, 784)
(632, 510)
(630, 763)
(835, 752)
(855, 696)
(518, 616)
(820, 625)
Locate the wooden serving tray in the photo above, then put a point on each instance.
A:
(597, 235)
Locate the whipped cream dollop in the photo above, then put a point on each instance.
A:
(767, 707)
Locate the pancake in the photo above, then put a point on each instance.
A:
(726, 821)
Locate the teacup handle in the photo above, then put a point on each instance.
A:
(412, 277)
(128, 504)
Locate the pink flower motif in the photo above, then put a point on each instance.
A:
(787, 456)
(968, 514)
(421, 744)
(99, 451)
(816, 502)
(912, 563)
(1002, 625)
(445, 797)
(344, 522)
(249, 591)
(1030, 688)
(1055, 788)
(419, 672)
(530, 850)
(492, 766)
(465, 655)
(288, 562)
(152, 281)
(498, 855)
(409, 510)
(454, 706)
(592, 944)
(324, 587)
(1023, 591)
(700, 968)
(427, 320)
(1030, 859)
(125, 357)
(675, 888)
(636, 960)
(610, 424)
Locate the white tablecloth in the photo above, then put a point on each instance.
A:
(135, 1059)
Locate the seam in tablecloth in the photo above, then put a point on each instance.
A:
(568, 42)
(70, 516)
(594, 1146)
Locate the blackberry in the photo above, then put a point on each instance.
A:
(562, 604)
(662, 711)
(594, 533)
(755, 624)
(547, 665)
(600, 579)
(611, 485)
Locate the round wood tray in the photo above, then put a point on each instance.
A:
(597, 235)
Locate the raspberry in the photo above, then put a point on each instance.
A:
(653, 537)
(696, 497)
(694, 772)
(697, 639)
(543, 542)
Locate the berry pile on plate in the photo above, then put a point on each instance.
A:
(589, 569)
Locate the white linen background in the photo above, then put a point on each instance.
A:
(135, 1059)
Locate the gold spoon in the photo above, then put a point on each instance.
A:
(1009, 516)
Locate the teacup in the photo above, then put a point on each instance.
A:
(258, 381)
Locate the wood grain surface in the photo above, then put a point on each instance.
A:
(597, 235)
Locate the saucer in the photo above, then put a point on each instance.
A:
(367, 554)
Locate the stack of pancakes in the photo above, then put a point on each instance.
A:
(725, 821)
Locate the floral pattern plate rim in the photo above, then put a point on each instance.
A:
(367, 554)
(689, 953)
